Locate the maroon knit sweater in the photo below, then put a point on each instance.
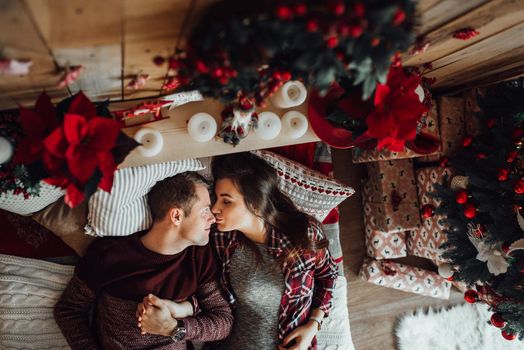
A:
(116, 273)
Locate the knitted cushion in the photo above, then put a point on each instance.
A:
(312, 192)
(124, 211)
(19, 205)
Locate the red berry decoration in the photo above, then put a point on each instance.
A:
(508, 336)
(471, 296)
(375, 42)
(201, 66)
(518, 188)
(337, 7)
(355, 30)
(470, 211)
(218, 72)
(300, 9)
(443, 161)
(490, 123)
(284, 12)
(511, 156)
(332, 42)
(427, 211)
(277, 75)
(359, 9)
(502, 174)
(467, 141)
(517, 133)
(461, 197)
(465, 33)
(286, 76)
(312, 25)
(399, 17)
(497, 320)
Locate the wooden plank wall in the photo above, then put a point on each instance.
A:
(116, 39)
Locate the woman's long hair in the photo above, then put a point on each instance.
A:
(257, 181)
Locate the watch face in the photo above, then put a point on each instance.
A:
(179, 333)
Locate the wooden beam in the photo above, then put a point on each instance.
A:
(445, 11)
(488, 19)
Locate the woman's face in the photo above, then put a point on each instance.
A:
(230, 211)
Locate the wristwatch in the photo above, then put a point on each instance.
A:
(179, 333)
(317, 320)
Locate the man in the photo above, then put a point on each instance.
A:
(172, 261)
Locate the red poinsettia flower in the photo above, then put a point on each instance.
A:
(397, 110)
(37, 124)
(85, 145)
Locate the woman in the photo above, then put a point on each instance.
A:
(275, 266)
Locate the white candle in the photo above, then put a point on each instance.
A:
(445, 270)
(269, 126)
(294, 124)
(151, 140)
(291, 94)
(6, 150)
(202, 127)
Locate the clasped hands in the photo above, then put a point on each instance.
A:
(159, 316)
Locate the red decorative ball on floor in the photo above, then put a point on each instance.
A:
(427, 211)
(443, 161)
(502, 174)
(497, 320)
(470, 211)
(461, 197)
(508, 336)
(471, 296)
(467, 141)
(511, 156)
(518, 188)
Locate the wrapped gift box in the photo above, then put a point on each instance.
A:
(428, 124)
(394, 198)
(404, 277)
(380, 244)
(426, 241)
(452, 127)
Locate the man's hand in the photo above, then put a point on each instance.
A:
(302, 335)
(154, 316)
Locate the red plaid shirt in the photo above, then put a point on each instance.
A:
(309, 278)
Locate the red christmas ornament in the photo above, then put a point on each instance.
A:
(511, 156)
(332, 42)
(337, 7)
(218, 72)
(451, 278)
(470, 211)
(343, 29)
(277, 75)
(201, 66)
(286, 76)
(465, 33)
(471, 296)
(312, 25)
(284, 12)
(490, 123)
(355, 30)
(427, 211)
(300, 9)
(399, 17)
(461, 197)
(375, 42)
(508, 336)
(517, 133)
(502, 174)
(443, 161)
(480, 156)
(359, 9)
(467, 141)
(158, 60)
(223, 80)
(497, 320)
(518, 187)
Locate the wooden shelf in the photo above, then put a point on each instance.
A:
(178, 144)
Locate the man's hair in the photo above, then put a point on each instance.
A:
(178, 191)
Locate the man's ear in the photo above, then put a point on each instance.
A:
(176, 215)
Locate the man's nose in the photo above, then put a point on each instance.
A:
(212, 218)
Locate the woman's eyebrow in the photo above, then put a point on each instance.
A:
(225, 195)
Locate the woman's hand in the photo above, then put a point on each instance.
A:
(155, 315)
(302, 335)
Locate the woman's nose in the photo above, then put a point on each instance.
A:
(215, 209)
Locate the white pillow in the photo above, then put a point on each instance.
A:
(124, 211)
(16, 203)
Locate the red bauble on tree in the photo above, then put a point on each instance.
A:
(470, 211)
(467, 141)
(502, 174)
(284, 12)
(517, 133)
(300, 9)
(508, 336)
(461, 197)
(337, 7)
(471, 296)
(497, 320)
(518, 187)
(511, 156)
(427, 211)
(480, 156)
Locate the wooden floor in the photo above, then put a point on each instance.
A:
(372, 309)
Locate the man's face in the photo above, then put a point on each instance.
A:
(195, 227)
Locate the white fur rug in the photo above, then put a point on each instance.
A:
(462, 327)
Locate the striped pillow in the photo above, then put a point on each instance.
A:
(124, 211)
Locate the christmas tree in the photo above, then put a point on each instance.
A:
(483, 209)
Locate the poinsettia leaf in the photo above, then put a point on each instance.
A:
(102, 109)
(124, 145)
